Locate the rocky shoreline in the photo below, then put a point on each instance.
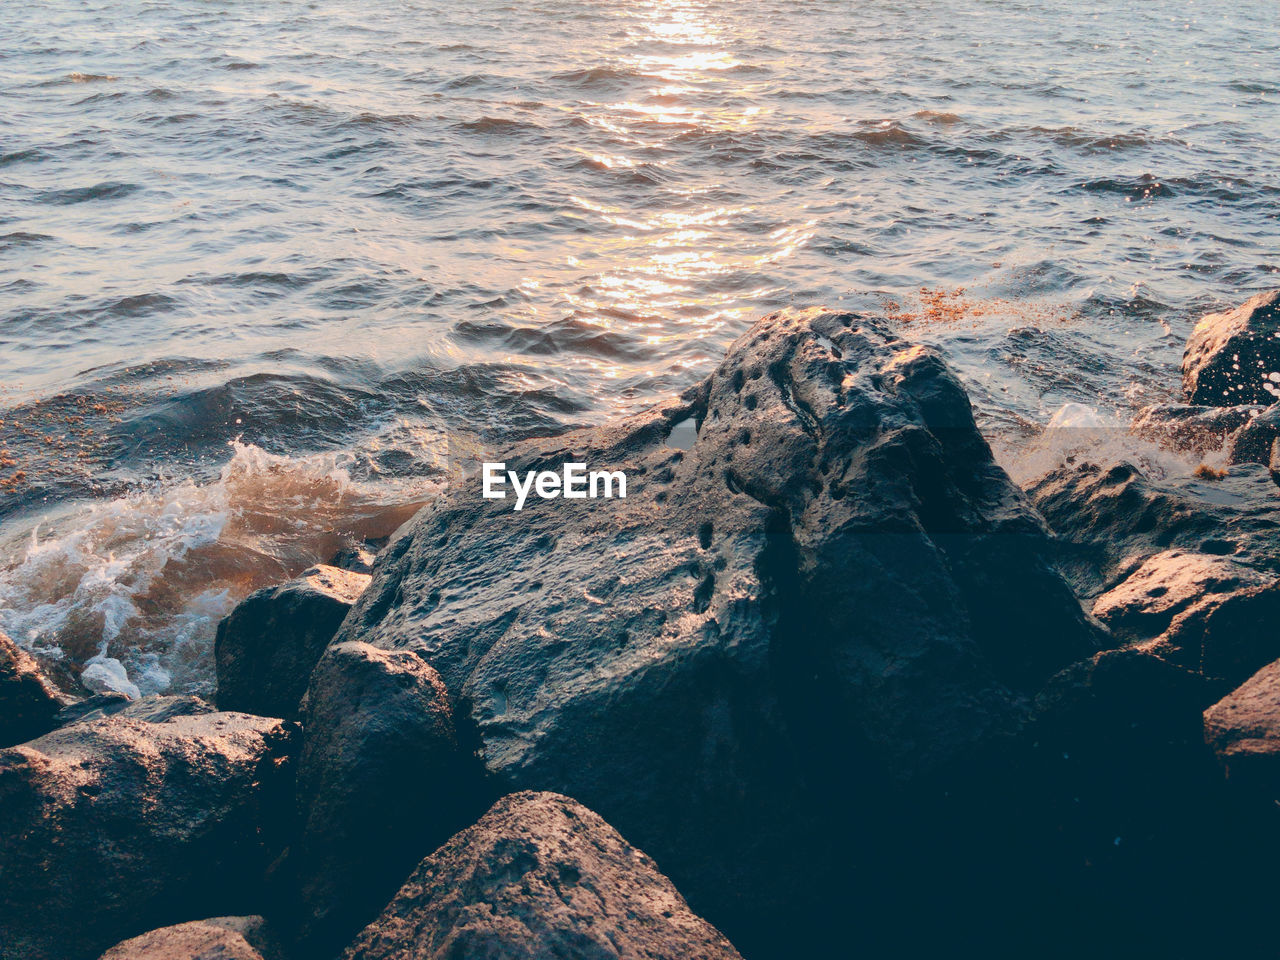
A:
(848, 688)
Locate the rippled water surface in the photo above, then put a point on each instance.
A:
(257, 259)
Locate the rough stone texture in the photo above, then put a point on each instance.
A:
(218, 938)
(117, 825)
(29, 703)
(1192, 429)
(1256, 440)
(1244, 730)
(266, 647)
(381, 782)
(539, 876)
(1109, 519)
(830, 588)
(1234, 357)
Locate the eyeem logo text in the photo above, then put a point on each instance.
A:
(573, 482)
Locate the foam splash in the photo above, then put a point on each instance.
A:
(125, 595)
(1078, 433)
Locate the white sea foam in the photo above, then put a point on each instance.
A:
(126, 594)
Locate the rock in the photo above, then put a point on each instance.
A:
(29, 703)
(1167, 587)
(1192, 429)
(265, 649)
(93, 707)
(218, 938)
(1255, 442)
(1109, 519)
(1244, 730)
(539, 876)
(117, 825)
(1234, 357)
(819, 585)
(358, 558)
(381, 782)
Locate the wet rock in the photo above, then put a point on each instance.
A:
(1244, 730)
(93, 707)
(1255, 442)
(1234, 357)
(1173, 597)
(29, 703)
(1109, 519)
(218, 938)
(266, 648)
(539, 876)
(381, 782)
(1192, 429)
(117, 825)
(830, 588)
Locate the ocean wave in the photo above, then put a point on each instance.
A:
(126, 594)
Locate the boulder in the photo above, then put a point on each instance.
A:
(1111, 518)
(218, 938)
(1244, 730)
(266, 647)
(1255, 441)
(1187, 428)
(819, 585)
(117, 825)
(1233, 357)
(539, 876)
(29, 703)
(381, 782)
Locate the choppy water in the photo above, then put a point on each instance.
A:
(257, 259)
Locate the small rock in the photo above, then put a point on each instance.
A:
(267, 646)
(1234, 357)
(117, 825)
(381, 782)
(218, 938)
(539, 876)
(1244, 729)
(29, 703)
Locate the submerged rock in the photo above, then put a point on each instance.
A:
(266, 647)
(825, 587)
(29, 703)
(1234, 357)
(539, 876)
(118, 824)
(381, 782)
(218, 938)
(1244, 730)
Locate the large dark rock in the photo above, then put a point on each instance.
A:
(266, 647)
(117, 825)
(381, 782)
(819, 586)
(29, 703)
(1244, 730)
(218, 938)
(1234, 357)
(1109, 519)
(539, 876)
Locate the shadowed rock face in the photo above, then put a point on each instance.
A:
(218, 938)
(1231, 357)
(833, 589)
(29, 704)
(118, 824)
(539, 876)
(381, 782)
(267, 646)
